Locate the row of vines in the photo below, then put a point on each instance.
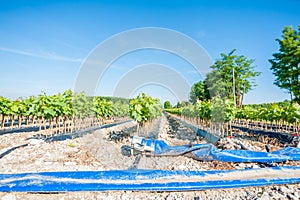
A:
(219, 115)
(144, 109)
(64, 112)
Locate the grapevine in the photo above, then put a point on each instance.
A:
(64, 112)
(144, 108)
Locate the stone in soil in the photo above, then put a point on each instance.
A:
(97, 152)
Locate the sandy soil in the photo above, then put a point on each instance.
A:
(97, 151)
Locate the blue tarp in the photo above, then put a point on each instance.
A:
(154, 180)
(210, 152)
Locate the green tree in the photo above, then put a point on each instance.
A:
(182, 104)
(286, 63)
(167, 105)
(199, 91)
(231, 76)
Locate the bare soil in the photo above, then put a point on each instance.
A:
(102, 150)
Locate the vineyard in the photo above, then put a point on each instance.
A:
(102, 138)
(159, 100)
(218, 116)
(60, 113)
(68, 112)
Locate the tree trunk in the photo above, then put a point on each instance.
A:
(64, 124)
(73, 124)
(230, 126)
(291, 94)
(238, 97)
(2, 121)
(45, 125)
(12, 121)
(27, 120)
(40, 125)
(19, 120)
(57, 125)
(242, 99)
(33, 120)
(51, 125)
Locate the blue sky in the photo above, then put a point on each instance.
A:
(43, 43)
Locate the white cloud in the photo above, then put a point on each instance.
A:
(43, 54)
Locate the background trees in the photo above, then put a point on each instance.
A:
(167, 105)
(199, 91)
(231, 76)
(286, 62)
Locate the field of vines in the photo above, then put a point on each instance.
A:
(144, 109)
(93, 147)
(219, 116)
(59, 113)
(68, 112)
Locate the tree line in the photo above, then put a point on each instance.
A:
(232, 76)
(217, 101)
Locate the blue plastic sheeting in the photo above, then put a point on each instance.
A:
(210, 152)
(154, 180)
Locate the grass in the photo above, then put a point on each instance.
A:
(71, 145)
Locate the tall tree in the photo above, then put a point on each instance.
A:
(232, 76)
(286, 63)
(167, 105)
(199, 91)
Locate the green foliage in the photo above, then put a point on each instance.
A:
(188, 111)
(29, 106)
(182, 104)
(199, 91)
(175, 111)
(144, 108)
(286, 62)
(18, 107)
(230, 110)
(203, 109)
(228, 69)
(218, 110)
(67, 104)
(120, 109)
(271, 112)
(71, 145)
(82, 105)
(41, 104)
(116, 100)
(5, 106)
(102, 107)
(167, 105)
